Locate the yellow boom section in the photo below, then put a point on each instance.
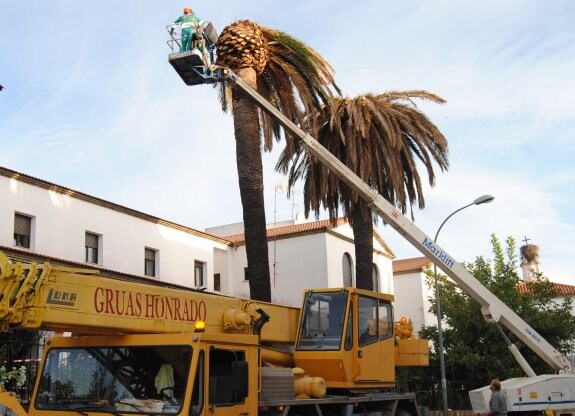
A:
(43, 296)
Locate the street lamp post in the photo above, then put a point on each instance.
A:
(484, 199)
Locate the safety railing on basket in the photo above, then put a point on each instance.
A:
(202, 38)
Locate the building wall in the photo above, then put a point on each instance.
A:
(61, 218)
(223, 266)
(300, 263)
(305, 262)
(337, 247)
(385, 268)
(412, 299)
(60, 222)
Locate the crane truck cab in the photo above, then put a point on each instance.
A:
(352, 331)
(219, 374)
(344, 343)
(167, 374)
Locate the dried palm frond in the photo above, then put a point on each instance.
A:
(379, 137)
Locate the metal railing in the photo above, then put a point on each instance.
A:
(15, 356)
(204, 37)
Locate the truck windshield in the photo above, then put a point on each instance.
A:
(323, 318)
(137, 379)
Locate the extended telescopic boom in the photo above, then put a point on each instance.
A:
(47, 297)
(492, 307)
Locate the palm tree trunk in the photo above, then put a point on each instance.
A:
(362, 225)
(250, 175)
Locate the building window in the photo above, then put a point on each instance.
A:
(22, 230)
(217, 282)
(228, 378)
(347, 268)
(375, 277)
(92, 241)
(150, 262)
(198, 274)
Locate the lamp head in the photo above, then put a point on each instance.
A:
(483, 199)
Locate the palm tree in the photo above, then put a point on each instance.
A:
(381, 138)
(295, 79)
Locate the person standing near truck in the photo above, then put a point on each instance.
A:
(188, 23)
(498, 401)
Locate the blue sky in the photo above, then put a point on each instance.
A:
(91, 103)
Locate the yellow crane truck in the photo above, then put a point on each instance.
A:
(147, 349)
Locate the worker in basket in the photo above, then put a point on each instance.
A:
(196, 34)
(189, 24)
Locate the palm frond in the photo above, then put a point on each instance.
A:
(290, 74)
(379, 137)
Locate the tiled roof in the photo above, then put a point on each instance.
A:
(413, 264)
(308, 227)
(562, 289)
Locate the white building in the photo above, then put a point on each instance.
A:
(44, 221)
(411, 291)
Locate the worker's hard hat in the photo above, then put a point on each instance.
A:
(187, 9)
(403, 320)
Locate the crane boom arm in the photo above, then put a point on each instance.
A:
(43, 296)
(492, 307)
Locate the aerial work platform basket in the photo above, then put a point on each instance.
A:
(195, 66)
(193, 70)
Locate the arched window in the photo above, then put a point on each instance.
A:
(375, 277)
(347, 269)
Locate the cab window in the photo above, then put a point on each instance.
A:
(375, 320)
(228, 377)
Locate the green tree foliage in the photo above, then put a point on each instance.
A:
(475, 351)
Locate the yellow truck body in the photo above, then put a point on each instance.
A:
(138, 348)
